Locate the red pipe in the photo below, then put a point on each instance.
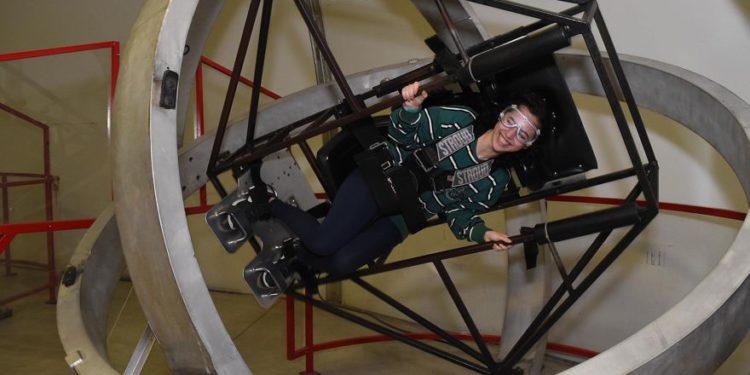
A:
(22, 183)
(244, 80)
(309, 342)
(199, 130)
(23, 116)
(717, 212)
(29, 264)
(24, 294)
(492, 339)
(5, 239)
(200, 123)
(9, 231)
(44, 226)
(6, 220)
(290, 329)
(11, 174)
(197, 210)
(49, 211)
(567, 349)
(115, 70)
(58, 51)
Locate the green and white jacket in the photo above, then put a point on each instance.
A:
(462, 205)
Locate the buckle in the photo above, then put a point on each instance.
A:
(378, 145)
(386, 165)
(426, 165)
(380, 150)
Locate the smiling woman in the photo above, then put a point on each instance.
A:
(526, 131)
(455, 173)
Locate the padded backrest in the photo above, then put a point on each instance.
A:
(336, 157)
(564, 149)
(336, 160)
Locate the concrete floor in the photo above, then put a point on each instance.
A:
(29, 343)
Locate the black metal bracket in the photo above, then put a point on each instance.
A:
(551, 29)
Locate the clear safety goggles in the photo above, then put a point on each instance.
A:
(526, 132)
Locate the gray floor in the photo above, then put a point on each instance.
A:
(29, 343)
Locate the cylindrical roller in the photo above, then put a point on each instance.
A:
(508, 55)
(581, 225)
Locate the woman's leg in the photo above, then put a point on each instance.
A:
(377, 240)
(351, 211)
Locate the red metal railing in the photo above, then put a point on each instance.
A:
(8, 232)
(49, 181)
(199, 129)
(114, 47)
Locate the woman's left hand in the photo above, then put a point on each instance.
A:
(412, 95)
(501, 240)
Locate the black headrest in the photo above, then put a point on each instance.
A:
(563, 149)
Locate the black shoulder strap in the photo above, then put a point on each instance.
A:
(393, 186)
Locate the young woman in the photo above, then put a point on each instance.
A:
(355, 231)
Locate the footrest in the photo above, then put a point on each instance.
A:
(269, 275)
(230, 219)
(229, 222)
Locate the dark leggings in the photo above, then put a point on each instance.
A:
(353, 228)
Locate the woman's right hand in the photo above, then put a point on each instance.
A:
(412, 97)
(501, 240)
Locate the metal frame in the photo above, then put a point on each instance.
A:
(199, 128)
(713, 309)
(574, 283)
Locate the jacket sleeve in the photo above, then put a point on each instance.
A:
(463, 217)
(466, 224)
(413, 130)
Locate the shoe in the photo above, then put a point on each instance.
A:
(257, 202)
(299, 262)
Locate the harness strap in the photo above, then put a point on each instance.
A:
(374, 175)
(408, 199)
(392, 186)
(424, 164)
(442, 180)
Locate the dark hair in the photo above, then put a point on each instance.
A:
(539, 106)
(535, 101)
(536, 104)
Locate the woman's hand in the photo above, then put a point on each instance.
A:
(412, 97)
(501, 240)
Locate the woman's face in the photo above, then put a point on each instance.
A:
(515, 129)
